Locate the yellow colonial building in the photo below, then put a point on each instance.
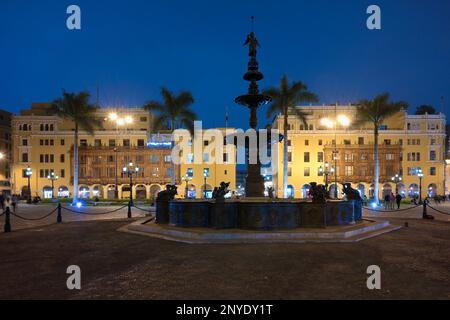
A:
(43, 143)
(330, 148)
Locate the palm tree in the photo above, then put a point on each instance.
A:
(174, 112)
(376, 111)
(76, 107)
(284, 100)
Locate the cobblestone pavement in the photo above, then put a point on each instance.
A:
(414, 262)
(88, 214)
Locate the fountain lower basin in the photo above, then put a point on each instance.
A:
(258, 213)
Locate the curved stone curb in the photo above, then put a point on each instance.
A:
(355, 233)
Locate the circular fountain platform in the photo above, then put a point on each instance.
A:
(258, 214)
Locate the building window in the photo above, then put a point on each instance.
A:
(306, 172)
(360, 140)
(320, 142)
(190, 172)
(306, 157)
(112, 143)
(63, 173)
(347, 142)
(62, 142)
(389, 156)
(126, 142)
(387, 142)
(306, 142)
(225, 157)
(140, 143)
(319, 156)
(289, 172)
(167, 158)
(348, 171)
(289, 156)
(154, 158)
(432, 155)
(432, 171)
(97, 143)
(62, 158)
(205, 157)
(25, 157)
(83, 142)
(143, 119)
(24, 142)
(289, 142)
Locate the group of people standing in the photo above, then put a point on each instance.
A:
(390, 200)
(7, 201)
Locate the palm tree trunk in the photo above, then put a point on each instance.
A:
(285, 153)
(75, 166)
(376, 172)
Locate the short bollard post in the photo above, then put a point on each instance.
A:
(59, 217)
(424, 210)
(7, 220)
(129, 209)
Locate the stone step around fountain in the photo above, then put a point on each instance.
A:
(342, 234)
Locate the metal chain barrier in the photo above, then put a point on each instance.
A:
(398, 210)
(93, 213)
(437, 210)
(34, 219)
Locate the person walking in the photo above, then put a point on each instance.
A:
(387, 200)
(398, 199)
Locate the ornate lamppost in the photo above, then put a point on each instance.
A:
(186, 178)
(52, 177)
(28, 173)
(326, 172)
(420, 175)
(130, 169)
(205, 175)
(396, 179)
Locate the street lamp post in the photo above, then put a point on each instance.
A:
(186, 178)
(130, 169)
(52, 177)
(344, 122)
(119, 121)
(28, 173)
(420, 175)
(205, 175)
(396, 179)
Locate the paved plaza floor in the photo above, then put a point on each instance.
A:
(414, 262)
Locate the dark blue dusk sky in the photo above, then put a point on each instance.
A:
(132, 48)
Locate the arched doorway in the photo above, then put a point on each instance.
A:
(97, 192)
(334, 191)
(47, 192)
(290, 191)
(305, 191)
(25, 192)
(401, 189)
(141, 192)
(83, 192)
(387, 189)
(413, 190)
(154, 189)
(432, 190)
(63, 192)
(207, 191)
(361, 189)
(111, 191)
(126, 191)
(372, 191)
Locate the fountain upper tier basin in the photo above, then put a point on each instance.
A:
(258, 213)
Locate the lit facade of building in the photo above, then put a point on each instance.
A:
(5, 151)
(407, 144)
(44, 143)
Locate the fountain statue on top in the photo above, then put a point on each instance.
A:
(254, 182)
